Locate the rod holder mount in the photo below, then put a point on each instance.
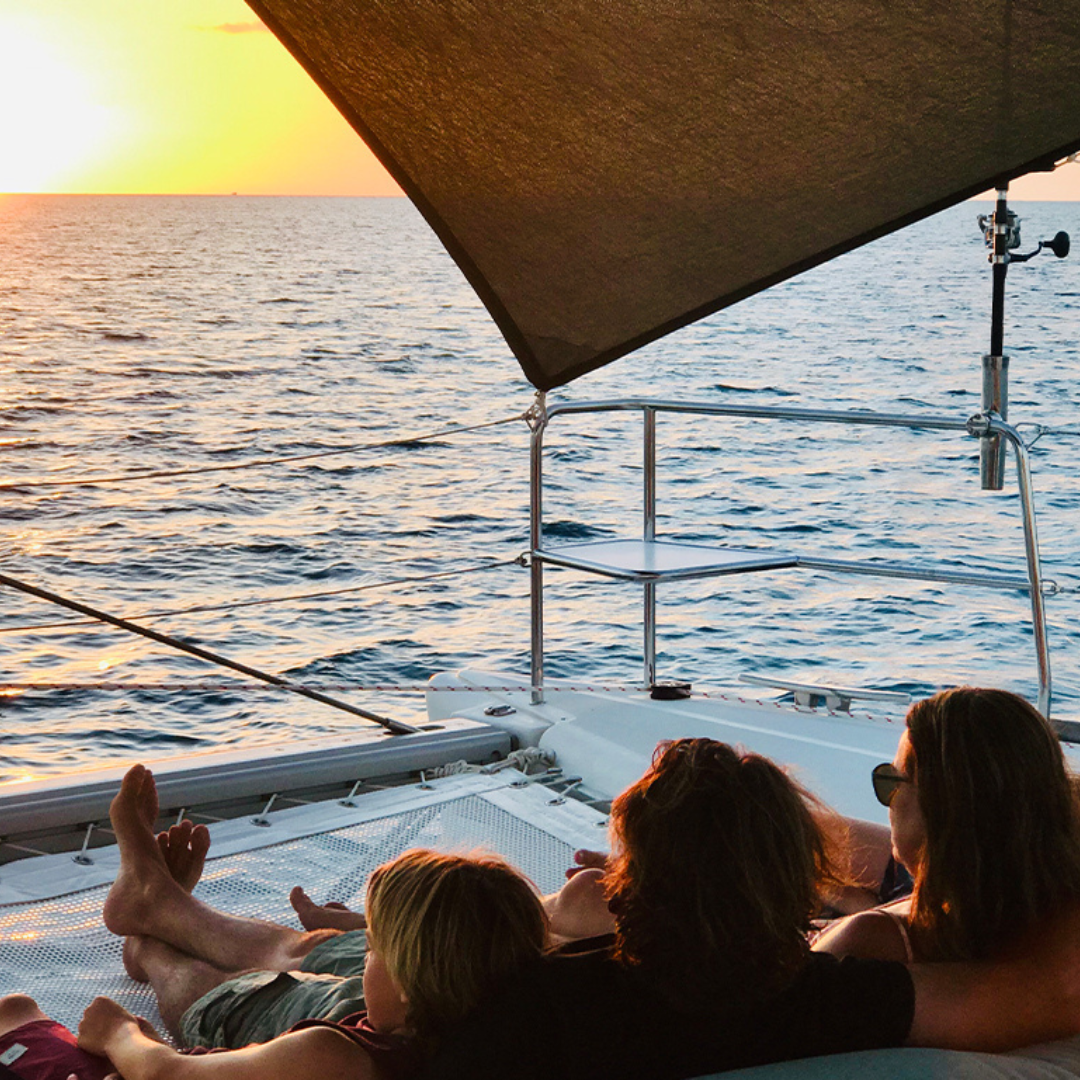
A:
(995, 399)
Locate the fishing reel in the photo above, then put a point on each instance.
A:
(1059, 245)
(1001, 231)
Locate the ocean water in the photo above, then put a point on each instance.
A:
(143, 334)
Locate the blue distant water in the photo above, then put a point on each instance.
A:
(174, 334)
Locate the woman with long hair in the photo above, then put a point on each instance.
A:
(719, 861)
(984, 814)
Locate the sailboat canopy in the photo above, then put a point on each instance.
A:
(606, 171)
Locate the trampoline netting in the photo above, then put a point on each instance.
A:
(59, 952)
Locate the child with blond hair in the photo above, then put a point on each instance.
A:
(444, 932)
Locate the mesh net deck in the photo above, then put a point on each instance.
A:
(60, 953)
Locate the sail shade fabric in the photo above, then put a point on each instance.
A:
(606, 171)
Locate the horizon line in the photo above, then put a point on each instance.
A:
(202, 194)
(987, 196)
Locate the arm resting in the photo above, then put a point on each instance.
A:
(312, 1054)
(1032, 995)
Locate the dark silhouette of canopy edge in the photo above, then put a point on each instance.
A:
(566, 245)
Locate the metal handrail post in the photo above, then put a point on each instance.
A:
(1031, 547)
(981, 425)
(538, 424)
(649, 530)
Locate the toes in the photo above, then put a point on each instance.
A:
(133, 780)
(138, 795)
(184, 847)
(200, 841)
(126, 804)
(178, 837)
(148, 803)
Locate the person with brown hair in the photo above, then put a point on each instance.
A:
(718, 862)
(984, 815)
(761, 855)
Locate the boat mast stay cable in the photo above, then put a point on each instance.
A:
(259, 463)
(394, 726)
(267, 600)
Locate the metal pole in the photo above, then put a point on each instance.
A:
(538, 423)
(995, 385)
(649, 531)
(1031, 546)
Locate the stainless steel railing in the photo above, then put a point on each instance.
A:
(981, 425)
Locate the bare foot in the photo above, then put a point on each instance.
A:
(588, 860)
(184, 848)
(143, 870)
(580, 908)
(330, 916)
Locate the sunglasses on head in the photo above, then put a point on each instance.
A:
(887, 781)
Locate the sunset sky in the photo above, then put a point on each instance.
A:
(189, 96)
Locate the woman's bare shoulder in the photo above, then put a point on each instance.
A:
(869, 935)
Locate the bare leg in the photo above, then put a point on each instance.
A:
(16, 1010)
(146, 900)
(178, 980)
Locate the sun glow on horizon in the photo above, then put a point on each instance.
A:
(136, 97)
(144, 97)
(54, 127)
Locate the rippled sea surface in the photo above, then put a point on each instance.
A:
(178, 334)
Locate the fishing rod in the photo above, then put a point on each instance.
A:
(395, 726)
(1001, 232)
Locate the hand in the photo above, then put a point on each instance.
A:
(329, 916)
(102, 1019)
(588, 860)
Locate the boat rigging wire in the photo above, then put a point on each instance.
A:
(394, 726)
(419, 578)
(1070, 430)
(10, 689)
(15, 485)
(234, 688)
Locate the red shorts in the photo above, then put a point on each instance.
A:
(49, 1053)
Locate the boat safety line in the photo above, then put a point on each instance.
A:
(14, 485)
(419, 578)
(394, 726)
(233, 688)
(1068, 430)
(13, 689)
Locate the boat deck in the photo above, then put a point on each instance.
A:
(54, 946)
